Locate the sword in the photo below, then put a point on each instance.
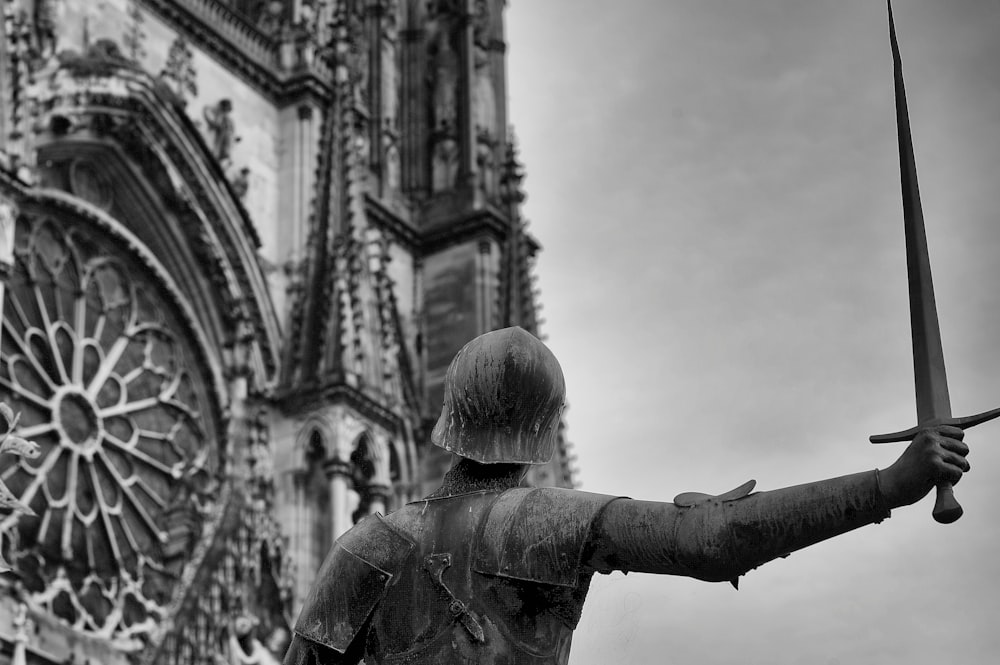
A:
(930, 380)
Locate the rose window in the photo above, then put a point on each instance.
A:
(101, 366)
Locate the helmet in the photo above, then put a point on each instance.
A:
(503, 396)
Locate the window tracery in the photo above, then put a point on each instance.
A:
(110, 386)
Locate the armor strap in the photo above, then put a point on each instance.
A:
(537, 535)
(351, 582)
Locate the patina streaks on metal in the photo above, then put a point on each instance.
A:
(504, 394)
(351, 582)
(930, 378)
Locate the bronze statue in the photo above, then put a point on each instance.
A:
(486, 572)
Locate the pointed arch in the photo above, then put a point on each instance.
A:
(317, 435)
(118, 140)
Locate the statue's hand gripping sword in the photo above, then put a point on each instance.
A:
(930, 380)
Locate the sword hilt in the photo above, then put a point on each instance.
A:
(947, 509)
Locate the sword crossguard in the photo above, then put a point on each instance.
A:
(947, 509)
(961, 423)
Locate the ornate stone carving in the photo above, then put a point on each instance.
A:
(393, 168)
(219, 119)
(179, 71)
(390, 74)
(102, 58)
(135, 37)
(109, 385)
(484, 97)
(271, 17)
(359, 62)
(483, 90)
(243, 647)
(486, 172)
(241, 183)
(14, 445)
(444, 81)
(8, 219)
(245, 585)
(20, 65)
(42, 20)
(512, 176)
(444, 163)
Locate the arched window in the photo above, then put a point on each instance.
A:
(103, 361)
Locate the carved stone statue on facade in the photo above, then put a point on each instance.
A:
(241, 183)
(444, 166)
(271, 18)
(444, 111)
(483, 92)
(358, 56)
(12, 445)
(444, 98)
(44, 20)
(390, 76)
(484, 97)
(484, 113)
(485, 571)
(219, 119)
(179, 72)
(393, 167)
(243, 647)
(486, 176)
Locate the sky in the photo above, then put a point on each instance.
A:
(715, 184)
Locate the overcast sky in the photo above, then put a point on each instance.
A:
(715, 185)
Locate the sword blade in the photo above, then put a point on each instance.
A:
(930, 379)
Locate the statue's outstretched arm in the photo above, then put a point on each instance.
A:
(719, 538)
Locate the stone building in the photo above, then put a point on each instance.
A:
(240, 241)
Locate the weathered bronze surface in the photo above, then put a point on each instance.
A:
(930, 379)
(486, 572)
(503, 398)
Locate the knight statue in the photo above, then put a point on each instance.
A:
(484, 571)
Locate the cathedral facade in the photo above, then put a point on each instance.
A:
(240, 242)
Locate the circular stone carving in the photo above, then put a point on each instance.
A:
(78, 418)
(106, 376)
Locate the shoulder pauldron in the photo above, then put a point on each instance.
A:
(351, 582)
(537, 535)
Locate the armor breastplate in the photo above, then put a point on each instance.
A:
(441, 610)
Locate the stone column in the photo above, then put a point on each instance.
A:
(338, 472)
(8, 219)
(378, 498)
(302, 538)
